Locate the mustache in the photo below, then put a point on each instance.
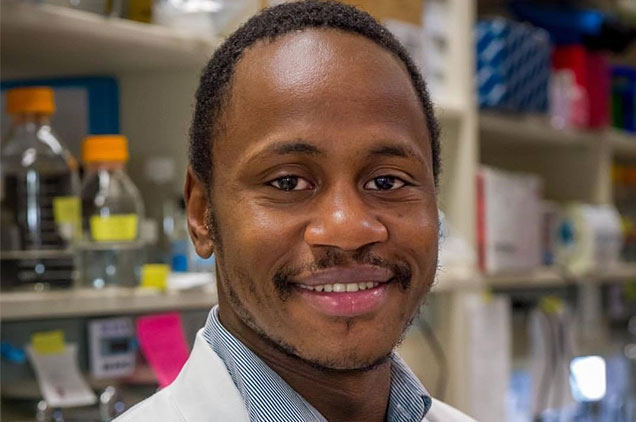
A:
(333, 257)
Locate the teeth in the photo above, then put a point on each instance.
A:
(341, 287)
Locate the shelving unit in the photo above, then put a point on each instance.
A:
(623, 145)
(46, 40)
(499, 130)
(539, 278)
(20, 306)
(530, 144)
(546, 277)
(510, 130)
(624, 272)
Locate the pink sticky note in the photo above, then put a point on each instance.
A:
(163, 344)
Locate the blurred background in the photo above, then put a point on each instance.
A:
(533, 315)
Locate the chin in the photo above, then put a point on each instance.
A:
(348, 354)
(347, 345)
(347, 361)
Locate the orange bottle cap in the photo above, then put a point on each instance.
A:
(100, 148)
(33, 99)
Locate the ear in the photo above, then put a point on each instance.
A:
(197, 203)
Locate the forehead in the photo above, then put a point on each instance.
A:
(321, 78)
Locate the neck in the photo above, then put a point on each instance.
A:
(337, 395)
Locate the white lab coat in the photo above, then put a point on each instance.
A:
(204, 392)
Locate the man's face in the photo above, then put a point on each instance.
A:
(324, 199)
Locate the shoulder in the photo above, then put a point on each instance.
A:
(157, 407)
(441, 412)
(202, 392)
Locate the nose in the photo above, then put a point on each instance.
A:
(342, 219)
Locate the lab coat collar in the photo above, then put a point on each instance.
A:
(204, 391)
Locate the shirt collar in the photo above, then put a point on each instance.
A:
(266, 394)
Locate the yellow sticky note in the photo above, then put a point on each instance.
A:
(488, 296)
(67, 210)
(113, 228)
(551, 304)
(155, 276)
(48, 342)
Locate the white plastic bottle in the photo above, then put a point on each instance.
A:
(112, 252)
(40, 197)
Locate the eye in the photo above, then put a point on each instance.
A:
(291, 183)
(384, 183)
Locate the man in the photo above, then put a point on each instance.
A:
(313, 167)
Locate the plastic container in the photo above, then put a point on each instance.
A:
(40, 196)
(112, 251)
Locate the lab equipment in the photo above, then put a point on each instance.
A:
(40, 196)
(112, 348)
(112, 251)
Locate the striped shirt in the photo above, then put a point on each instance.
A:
(268, 397)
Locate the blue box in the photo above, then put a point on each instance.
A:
(513, 65)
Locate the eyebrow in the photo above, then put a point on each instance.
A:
(301, 146)
(293, 147)
(401, 151)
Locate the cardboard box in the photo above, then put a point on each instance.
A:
(508, 221)
(407, 11)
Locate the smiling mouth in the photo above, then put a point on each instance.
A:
(348, 279)
(345, 299)
(341, 287)
(359, 290)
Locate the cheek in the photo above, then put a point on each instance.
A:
(262, 237)
(416, 231)
(415, 236)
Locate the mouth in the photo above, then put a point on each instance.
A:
(341, 287)
(346, 292)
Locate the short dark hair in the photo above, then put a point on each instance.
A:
(270, 24)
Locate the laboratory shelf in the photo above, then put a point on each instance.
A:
(539, 278)
(47, 40)
(527, 130)
(623, 272)
(453, 279)
(16, 306)
(623, 144)
(530, 130)
(547, 277)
